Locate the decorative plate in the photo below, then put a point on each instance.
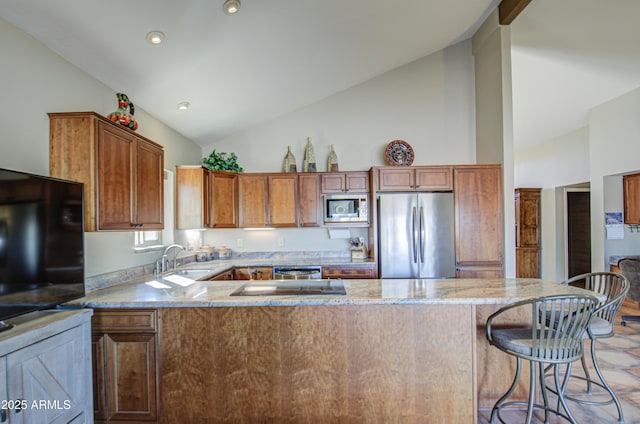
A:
(399, 153)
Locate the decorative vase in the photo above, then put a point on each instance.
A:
(289, 164)
(332, 161)
(122, 116)
(309, 163)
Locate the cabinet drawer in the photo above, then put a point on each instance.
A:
(124, 320)
(346, 272)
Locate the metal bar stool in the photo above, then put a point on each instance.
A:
(540, 344)
(615, 288)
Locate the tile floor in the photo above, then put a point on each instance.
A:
(619, 359)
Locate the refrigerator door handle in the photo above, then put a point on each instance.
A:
(415, 236)
(422, 234)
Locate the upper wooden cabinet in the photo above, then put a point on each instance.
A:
(205, 199)
(420, 178)
(631, 185)
(268, 200)
(122, 171)
(310, 204)
(343, 182)
(479, 232)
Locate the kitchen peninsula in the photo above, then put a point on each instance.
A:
(388, 350)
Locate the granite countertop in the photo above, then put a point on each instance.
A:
(139, 294)
(613, 260)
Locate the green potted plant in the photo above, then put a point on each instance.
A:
(221, 162)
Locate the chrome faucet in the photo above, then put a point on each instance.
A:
(164, 261)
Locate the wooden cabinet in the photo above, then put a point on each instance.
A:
(122, 171)
(205, 199)
(310, 201)
(423, 178)
(527, 210)
(479, 222)
(125, 365)
(631, 187)
(253, 273)
(348, 272)
(268, 200)
(45, 364)
(343, 182)
(227, 275)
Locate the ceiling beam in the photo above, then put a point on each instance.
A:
(508, 10)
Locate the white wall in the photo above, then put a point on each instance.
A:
(36, 81)
(614, 130)
(428, 103)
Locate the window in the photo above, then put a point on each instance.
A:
(147, 239)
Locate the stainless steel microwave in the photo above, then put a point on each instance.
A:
(347, 208)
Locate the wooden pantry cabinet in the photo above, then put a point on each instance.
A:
(267, 200)
(479, 226)
(122, 172)
(527, 210)
(125, 365)
(206, 199)
(419, 178)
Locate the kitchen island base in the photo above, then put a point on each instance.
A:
(334, 363)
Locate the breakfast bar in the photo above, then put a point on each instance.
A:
(405, 350)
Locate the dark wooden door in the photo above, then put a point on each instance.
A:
(578, 232)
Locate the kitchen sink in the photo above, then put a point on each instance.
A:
(291, 288)
(193, 274)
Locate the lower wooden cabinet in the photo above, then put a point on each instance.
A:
(125, 365)
(227, 275)
(253, 273)
(348, 272)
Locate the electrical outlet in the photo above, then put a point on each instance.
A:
(239, 242)
(280, 241)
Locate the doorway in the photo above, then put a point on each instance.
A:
(578, 232)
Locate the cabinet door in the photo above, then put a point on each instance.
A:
(116, 155)
(527, 262)
(222, 200)
(253, 273)
(478, 221)
(252, 201)
(227, 275)
(310, 203)
(52, 369)
(396, 179)
(98, 368)
(333, 183)
(357, 182)
(528, 221)
(131, 372)
(434, 179)
(149, 195)
(283, 200)
(190, 197)
(4, 413)
(631, 185)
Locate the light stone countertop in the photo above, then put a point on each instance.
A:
(139, 294)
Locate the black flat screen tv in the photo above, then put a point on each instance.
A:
(41, 242)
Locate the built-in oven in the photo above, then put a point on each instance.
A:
(346, 208)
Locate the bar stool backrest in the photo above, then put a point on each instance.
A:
(613, 286)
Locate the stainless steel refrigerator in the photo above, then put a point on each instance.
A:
(416, 235)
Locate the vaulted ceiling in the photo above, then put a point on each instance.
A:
(276, 56)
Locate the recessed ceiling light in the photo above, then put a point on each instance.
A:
(155, 37)
(183, 105)
(231, 6)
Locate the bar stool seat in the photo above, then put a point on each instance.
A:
(541, 344)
